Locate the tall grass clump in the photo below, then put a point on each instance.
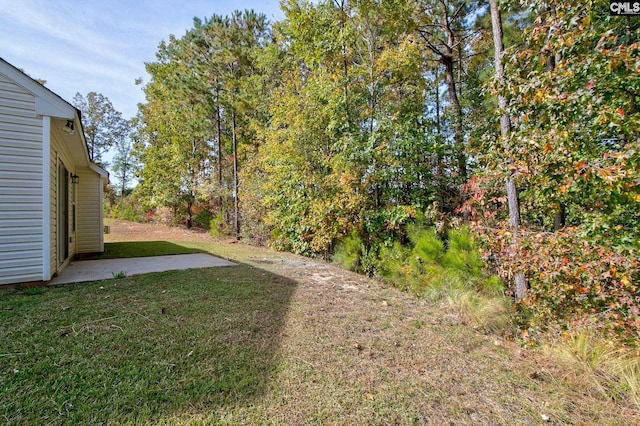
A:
(450, 271)
(600, 365)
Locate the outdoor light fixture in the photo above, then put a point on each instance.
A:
(69, 127)
(75, 178)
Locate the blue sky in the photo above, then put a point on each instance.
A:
(101, 45)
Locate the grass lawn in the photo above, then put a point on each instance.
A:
(277, 340)
(121, 250)
(140, 349)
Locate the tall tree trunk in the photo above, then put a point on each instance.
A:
(447, 59)
(439, 159)
(219, 143)
(458, 137)
(437, 85)
(236, 218)
(505, 128)
(189, 214)
(124, 184)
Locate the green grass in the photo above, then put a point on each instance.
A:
(277, 340)
(139, 350)
(121, 250)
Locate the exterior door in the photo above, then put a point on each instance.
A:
(63, 213)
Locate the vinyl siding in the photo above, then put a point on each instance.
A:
(89, 212)
(53, 212)
(21, 216)
(60, 154)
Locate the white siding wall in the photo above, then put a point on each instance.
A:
(89, 208)
(53, 211)
(60, 154)
(21, 216)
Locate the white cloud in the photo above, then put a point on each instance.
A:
(93, 45)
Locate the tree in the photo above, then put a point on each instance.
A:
(505, 129)
(125, 163)
(348, 147)
(103, 125)
(571, 88)
(444, 28)
(576, 109)
(199, 106)
(178, 129)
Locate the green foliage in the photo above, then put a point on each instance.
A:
(575, 143)
(348, 252)
(204, 112)
(128, 208)
(353, 254)
(463, 255)
(125, 158)
(348, 149)
(203, 219)
(218, 227)
(103, 126)
(432, 267)
(428, 249)
(451, 271)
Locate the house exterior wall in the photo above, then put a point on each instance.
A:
(89, 210)
(21, 185)
(34, 147)
(61, 155)
(53, 211)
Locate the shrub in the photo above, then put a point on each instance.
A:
(573, 284)
(127, 209)
(349, 252)
(463, 255)
(428, 262)
(203, 219)
(218, 227)
(451, 271)
(355, 254)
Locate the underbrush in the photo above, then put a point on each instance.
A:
(574, 285)
(218, 227)
(128, 208)
(585, 293)
(449, 270)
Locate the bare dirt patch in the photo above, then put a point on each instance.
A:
(122, 230)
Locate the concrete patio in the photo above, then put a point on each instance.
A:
(94, 270)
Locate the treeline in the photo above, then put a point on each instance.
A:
(350, 124)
